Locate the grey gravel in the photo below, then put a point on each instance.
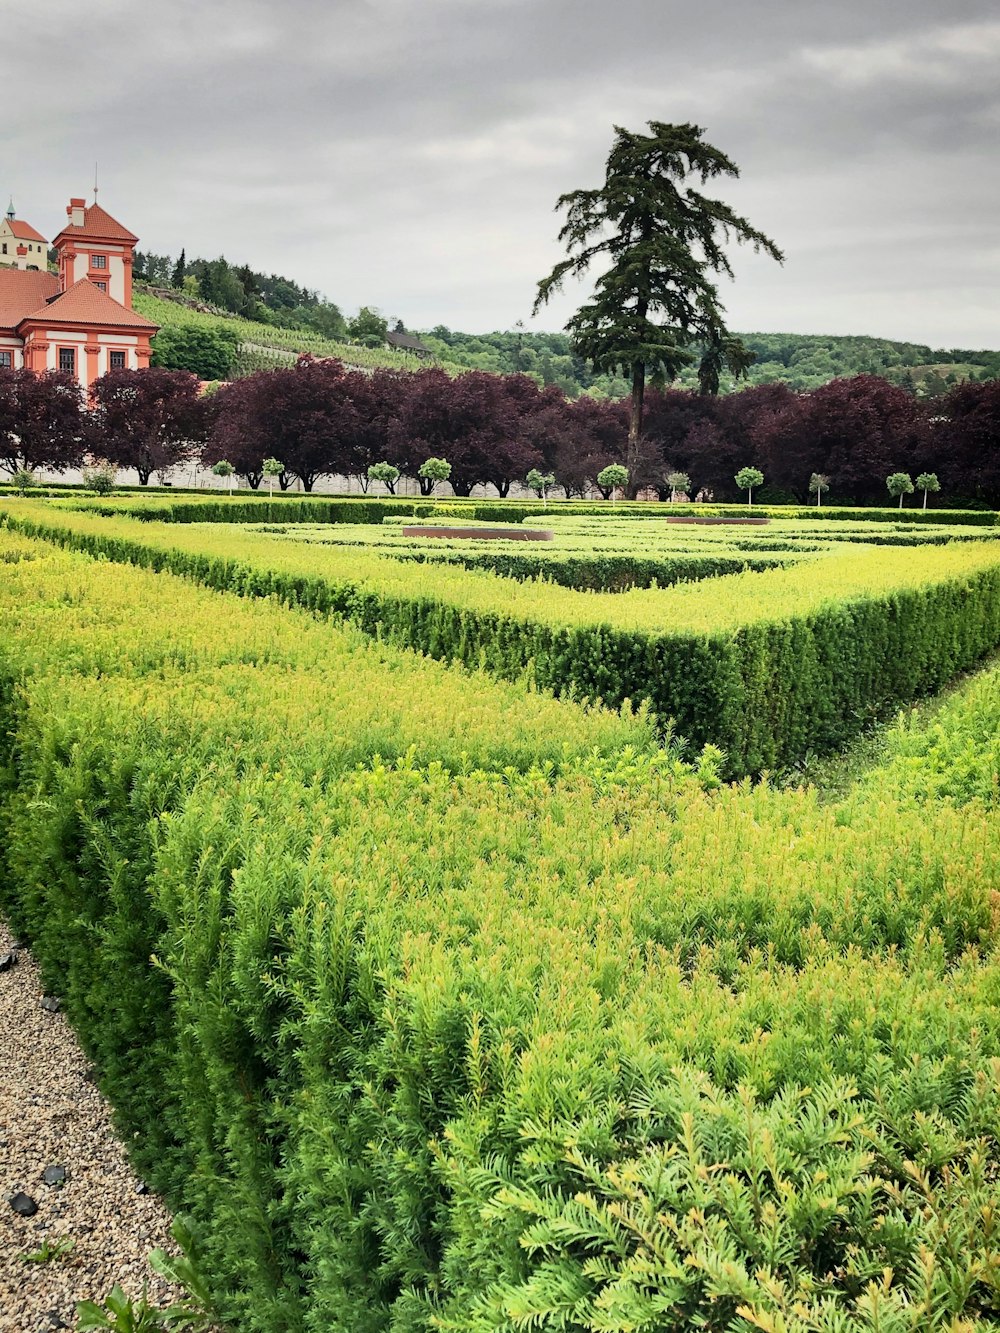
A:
(50, 1114)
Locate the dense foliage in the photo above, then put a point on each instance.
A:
(149, 420)
(771, 665)
(659, 242)
(42, 422)
(493, 430)
(462, 1025)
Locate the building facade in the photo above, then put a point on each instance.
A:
(20, 245)
(80, 320)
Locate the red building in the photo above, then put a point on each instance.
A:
(82, 320)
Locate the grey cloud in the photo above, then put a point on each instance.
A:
(409, 152)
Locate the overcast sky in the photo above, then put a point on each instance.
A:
(408, 153)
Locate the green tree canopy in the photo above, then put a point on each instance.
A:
(928, 481)
(663, 241)
(387, 473)
(611, 477)
(209, 353)
(368, 327)
(748, 479)
(899, 483)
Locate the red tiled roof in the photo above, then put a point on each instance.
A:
(21, 291)
(86, 304)
(99, 226)
(24, 231)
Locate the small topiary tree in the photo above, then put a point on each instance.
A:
(927, 481)
(899, 483)
(610, 478)
(748, 479)
(23, 480)
(818, 483)
(540, 482)
(100, 478)
(271, 468)
(386, 474)
(431, 472)
(223, 468)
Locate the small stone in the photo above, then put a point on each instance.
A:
(54, 1175)
(8, 960)
(53, 1319)
(24, 1205)
(50, 1003)
(142, 1187)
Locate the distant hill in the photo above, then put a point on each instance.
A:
(801, 360)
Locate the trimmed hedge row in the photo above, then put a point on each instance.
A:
(371, 509)
(258, 509)
(766, 691)
(597, 1050)
(516, 511)
(597, 573)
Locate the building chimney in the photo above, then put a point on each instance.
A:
(75, 212)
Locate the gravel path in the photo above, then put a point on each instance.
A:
(52, 1116)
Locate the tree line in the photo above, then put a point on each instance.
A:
(323, 420)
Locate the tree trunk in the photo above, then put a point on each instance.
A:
(284, 480)
(635, 426)
(462, 488)
(144, 475)
(503, 487)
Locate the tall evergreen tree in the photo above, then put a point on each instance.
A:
(664, 240)
(177, 277)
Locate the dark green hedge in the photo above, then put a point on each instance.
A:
(597, 573)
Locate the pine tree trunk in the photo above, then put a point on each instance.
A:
(635, 427)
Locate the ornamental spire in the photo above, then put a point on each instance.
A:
(10, 209)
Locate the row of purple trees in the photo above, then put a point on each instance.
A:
(322, 420)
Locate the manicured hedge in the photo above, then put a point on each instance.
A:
(256, 509)
(243, 507)
(767, 667)
(593, 1047)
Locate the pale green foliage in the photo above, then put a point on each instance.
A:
(748, 479)
(899, 483)
(928, 481)
(100, 478)
(613, 477)
(433, 470)
(387, 473)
